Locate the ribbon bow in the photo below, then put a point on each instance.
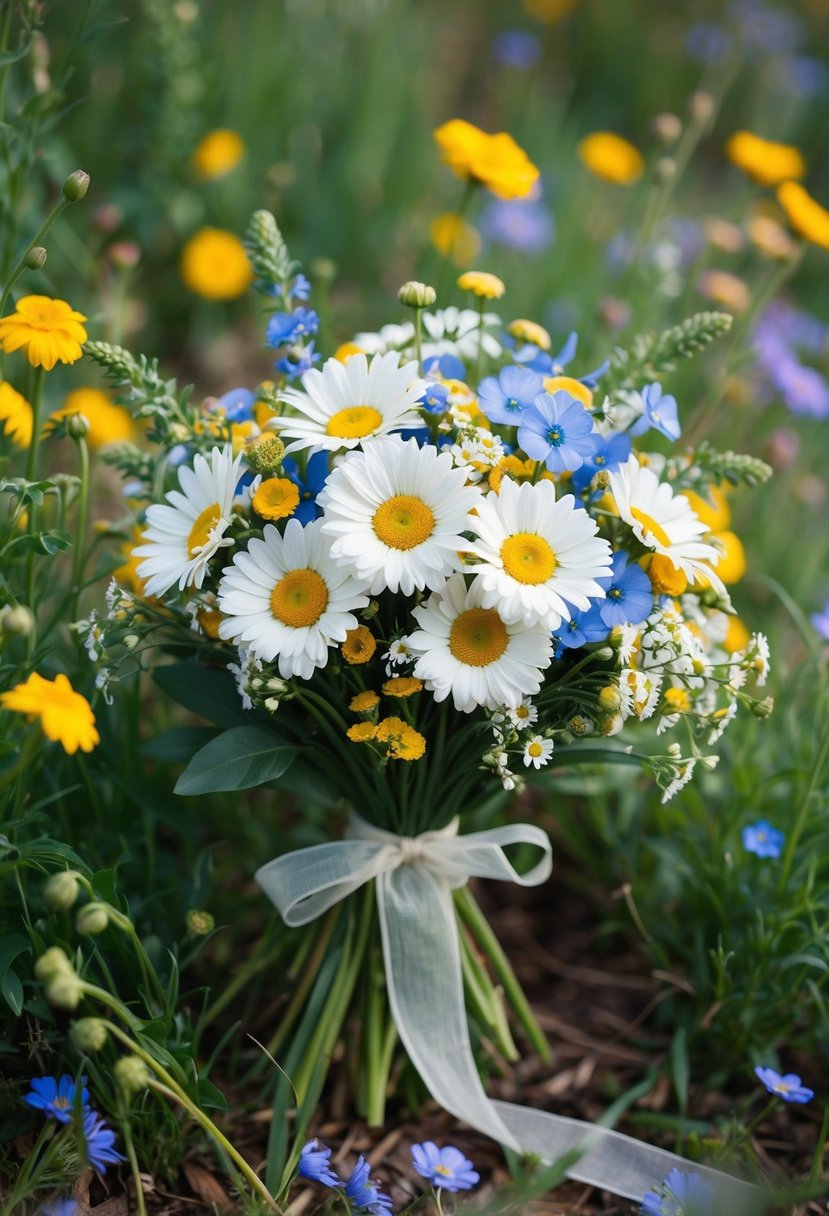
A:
(415, 876)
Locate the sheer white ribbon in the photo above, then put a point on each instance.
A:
(414, 877)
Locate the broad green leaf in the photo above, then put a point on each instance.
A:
(41, 542)
(209, 1095)
(236, 760)
(178, 744)
(12, 990)
(10, 949)
(207, 691)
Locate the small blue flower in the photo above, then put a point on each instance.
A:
(364, 1196)
(286, 327)
(659, 412)
(522, 224)
(446, 1168)
(582, 629)
(60, 1207)
(681, 1195)
(450, 367)
(609, 452)
(557, 430)
(300, 289)
(313, 1164)
(435, 398)
(516, 49)
(297, 360)
(57, 1098)
(788, 1087)
(628, 594)
(309, 486)
(762, 839)
(237, 404)
(100, 1142)
(505, 397)
(820, 620)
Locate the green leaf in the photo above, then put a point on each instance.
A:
(207, 691)
(178, 744)
(680, 1067)
(208, 1095)
(41, 542)
(236, 760)
(12, 990)
(12, 947)
(18, 53)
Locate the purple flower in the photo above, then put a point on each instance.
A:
(313, 1164)
(309, 486)
(522, 224)
(291, 326)
(516, 49)
(100, 1142)
(658, 411)
(820, 620)
(446, 1168)
(762, 839)
(680, 1195)
(363, 1194)
(557, 430)
(608, 453)
(57, 1098)
(787, 1087)
(803, 388)
(505, 397)
(628, 594)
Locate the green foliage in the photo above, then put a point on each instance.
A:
(238, 759)
(649, 356)
(268, 253)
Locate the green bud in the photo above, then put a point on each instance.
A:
(17, 622)
(265, 455)
(62, 890)
(199, 922)
(762, 709)
(93, 918)
(324, 270)
(579, 725)
(76, 186)
(36, 257)
(89, 1034)
(64, 991)
(131, 1076)
(610, 698)
(77, 425)
(417, 295)
(53, 962)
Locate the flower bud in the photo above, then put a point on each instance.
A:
(762, 709)
(179, 433)
(131, 641)
(64, 991)
(76, 186)
(93, 918)
(17, 622)
(417, 295)
(610, 698)
(701, 106)
(88, 1034)
(603, 653)
(709, 763)
(131, 1076)
(200, 922)
(667, 128)
(53, 962)
(124, 255)
(665, 168)
(62, 890)
(78, 426)
(579, 725)
(265, 454)
(36, 257)
(324, 270)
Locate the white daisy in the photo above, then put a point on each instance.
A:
(389, 337)
(539, 558)
(682, 775)
(639, 691)
(537, 751)
(471, 651)
(455, 331)
(664, 521)
(181, 538)
(524, 715)
(396, 513)
(345, 403)
(286, 598)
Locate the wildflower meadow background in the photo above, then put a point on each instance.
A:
(413, 420)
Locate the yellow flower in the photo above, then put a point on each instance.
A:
(574, 387)
(736, 637)
(549, 10)
(344, 352)
(218, 153)
(363, 702)
(108, 423)
(16, 418)
(65, 716)
(455, 238)
(359, 645)
(611, 158)
(766, 162)
(402, 686)
(47, 330)
(127, 574)
(403, 741)
(361, 732)
(210, 619)
(495, 161)
(676, 700)
(276, 498)
(712, 508)
(214, 265)
(805, 214)
(530, 331)
(732, 564)
(665, 578)
(724, 289)
(481, 283)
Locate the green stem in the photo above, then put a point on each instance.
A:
(803, 811)
(126, 1132)
(37, 239)
(31, 475)
(419, 339)
(5, 32)
(79, 558)
(463, 207)
(309, 976)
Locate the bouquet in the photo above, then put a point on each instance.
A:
(405, 580)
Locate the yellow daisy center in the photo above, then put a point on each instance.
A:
(535, 749)
(354, 422)
(276, 498)
(528, 558)
(403, 522)
(478, 637)
(204, 525)
(299, 598)
(650, 526)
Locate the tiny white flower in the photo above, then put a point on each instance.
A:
(537, 751)
(524, 715)
(684, 773)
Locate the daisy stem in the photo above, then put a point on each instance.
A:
(31, 475)
(419, 339)
(79, 559)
